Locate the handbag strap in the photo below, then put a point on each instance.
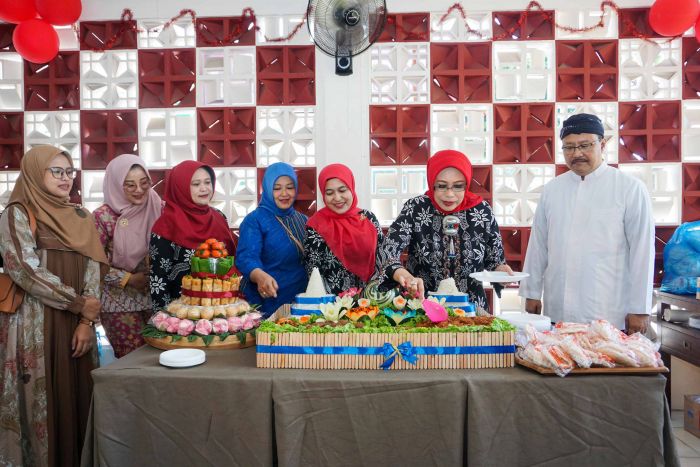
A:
(291, 236)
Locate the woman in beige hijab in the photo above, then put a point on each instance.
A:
(48, 348)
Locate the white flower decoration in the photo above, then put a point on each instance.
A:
(344, 302)
(331, 311)
(440, 302)
(415, 304)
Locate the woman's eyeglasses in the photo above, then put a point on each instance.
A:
(59, 172)
(456, 188)
(131, 187)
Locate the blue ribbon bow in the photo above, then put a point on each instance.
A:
(405, 350)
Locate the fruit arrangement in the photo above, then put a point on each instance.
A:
(211, 257)
(212, 248)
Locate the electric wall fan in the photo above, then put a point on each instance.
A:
(345, 28)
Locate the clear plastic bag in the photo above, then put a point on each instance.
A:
(682, 260)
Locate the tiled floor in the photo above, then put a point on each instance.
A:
(688, 445)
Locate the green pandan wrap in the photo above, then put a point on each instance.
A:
(218, 266)
(223, 265)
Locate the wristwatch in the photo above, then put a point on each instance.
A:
(87, 322)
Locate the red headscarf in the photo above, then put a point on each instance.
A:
(450, 158)
(351, 237)
(185, 222)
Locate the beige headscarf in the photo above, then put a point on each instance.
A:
(73, 226)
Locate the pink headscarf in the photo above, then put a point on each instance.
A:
(133, 229)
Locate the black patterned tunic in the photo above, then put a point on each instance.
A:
(478, 246)
(317, 254)
(170, 262)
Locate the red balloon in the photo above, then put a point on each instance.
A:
(59, 12)
(697, 29)
(16, 11)
(36, 41)
(673, 17)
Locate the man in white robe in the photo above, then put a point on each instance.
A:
(591, 250)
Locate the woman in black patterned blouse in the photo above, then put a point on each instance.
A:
(341, 239)
(477, 244)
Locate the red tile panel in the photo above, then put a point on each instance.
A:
(691, 192)
(6, 30)
(663, 235)
(460, 72)
(399, 135)
(634, 22)
(587, 70)
(536, 25)
(94, 35)
(53, 86)
(523, 133)
(482, 181)
(167, 78)
(286, 75)
(11, 140)
(691, 68)
(515, 245)
(225, 31)
(226, 136)
(650, 131)
(107, 134)
(406, 27)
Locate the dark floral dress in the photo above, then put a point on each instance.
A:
(170, 262)
(317, 254)
(478, 247)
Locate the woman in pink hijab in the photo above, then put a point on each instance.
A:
(124, 223)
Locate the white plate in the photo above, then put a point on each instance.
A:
(520, 320)
(498, 276)
(182, 358)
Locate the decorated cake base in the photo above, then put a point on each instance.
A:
(210, 313)
(398, 351)
(232, 341)
(367, 330)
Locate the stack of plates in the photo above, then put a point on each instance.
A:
(520, 320)
(182, 358)
(694, 321)
(498, 276)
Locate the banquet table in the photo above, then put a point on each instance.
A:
(227, 412)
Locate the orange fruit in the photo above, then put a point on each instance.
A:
(205, 254)
(220, 246)
(203, 246)
(212, 241)
(224, 252)
(216, 254)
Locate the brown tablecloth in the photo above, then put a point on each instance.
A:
(229, 413)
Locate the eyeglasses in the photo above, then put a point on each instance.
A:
(584, 147)
(59, 172)
(456, 188)
(131, 187)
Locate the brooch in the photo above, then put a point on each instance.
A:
(362, 217)
(123, 222)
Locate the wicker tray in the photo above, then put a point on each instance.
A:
(231, 342)
(594, 371)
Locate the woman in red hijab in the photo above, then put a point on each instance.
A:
(467, 242)
(186, 222)
(341, 239)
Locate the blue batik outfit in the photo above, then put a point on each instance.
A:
(272, 239)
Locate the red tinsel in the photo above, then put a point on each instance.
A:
(248, 17)
(630, 27)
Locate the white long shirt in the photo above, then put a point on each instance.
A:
(592, 248)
